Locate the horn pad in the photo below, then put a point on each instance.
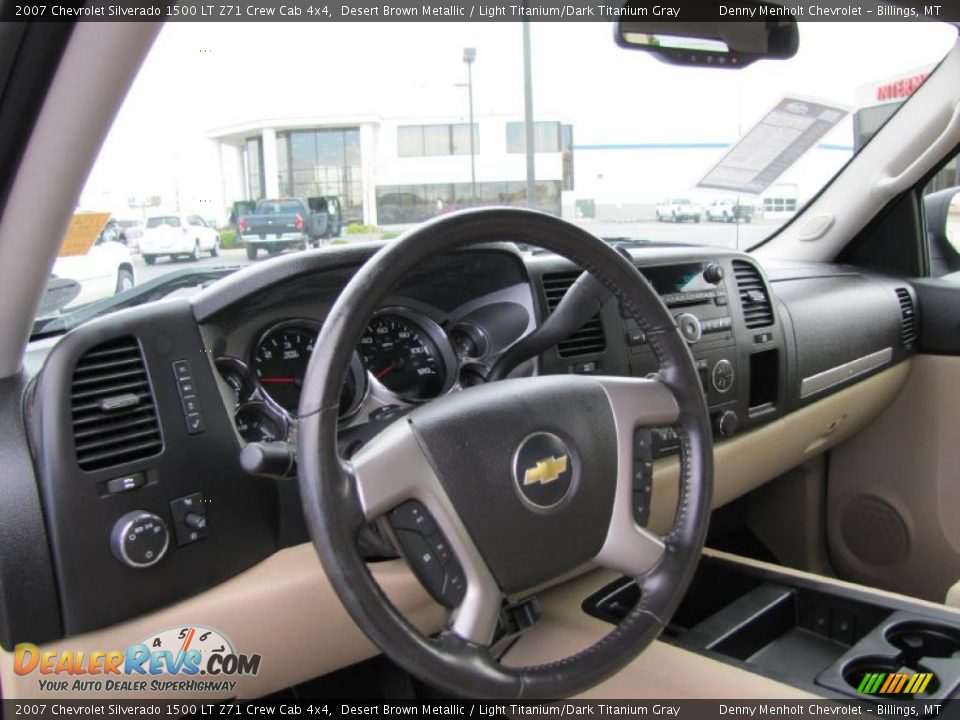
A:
(530, 466)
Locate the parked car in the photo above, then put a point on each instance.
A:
(730, 211)
(104, 270)
(282, 223)
(178, 235)
(678, 210)
(131, 232)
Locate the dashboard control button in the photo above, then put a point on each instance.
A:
(725, 423)
(713, 273)
(191, 405)
(689, 327)
(181, 370)
(125, 483)
(195, 423)
(428, 553)
(139, 539)
(189, 518)
(195, 521)
(722, 375)
(636, 337)
(188, 388)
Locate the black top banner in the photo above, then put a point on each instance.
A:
(473, 11)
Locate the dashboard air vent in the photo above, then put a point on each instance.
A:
(754, 297)
(588, 339)
(908, 326)
(114, 414)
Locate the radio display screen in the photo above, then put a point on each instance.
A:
(667, 279)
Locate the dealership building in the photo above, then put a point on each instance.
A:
(396, 170)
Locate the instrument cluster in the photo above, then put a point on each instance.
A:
(404, 358)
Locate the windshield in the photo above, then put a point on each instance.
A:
(400, 123)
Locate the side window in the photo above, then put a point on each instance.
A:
(941, 209)
(194, 220)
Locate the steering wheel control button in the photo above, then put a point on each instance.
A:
(412, 515)
(429, 553)
(642, 475)
(543, 470)
(126, 483)
(722, 375)
(139, 539)
(689, 327)
(189, 519)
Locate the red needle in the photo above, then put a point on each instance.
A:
(283, 380)
(386, 371)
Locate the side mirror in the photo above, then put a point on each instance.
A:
(942, 211)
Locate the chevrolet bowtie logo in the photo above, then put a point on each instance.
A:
(546, 470)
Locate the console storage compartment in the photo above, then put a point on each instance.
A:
(832, 640)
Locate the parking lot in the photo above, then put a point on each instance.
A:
(740, 236)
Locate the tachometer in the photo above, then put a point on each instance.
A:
(408, 354)
(280, 360)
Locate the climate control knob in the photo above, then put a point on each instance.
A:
(725, 423)
(139, 539)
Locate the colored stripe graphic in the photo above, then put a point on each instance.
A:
(894, 683)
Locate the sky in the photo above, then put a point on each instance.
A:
(202, 76)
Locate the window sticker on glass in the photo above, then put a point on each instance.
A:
(773, 145)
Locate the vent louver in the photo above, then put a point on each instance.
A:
(588, 339)
(754, 297)
(114, 414)
(908, 326)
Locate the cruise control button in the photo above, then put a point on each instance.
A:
(440, 547)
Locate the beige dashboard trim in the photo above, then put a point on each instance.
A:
(286, 609)
(283, 608)
(747, 461)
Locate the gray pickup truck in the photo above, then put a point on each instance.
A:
(279, 224)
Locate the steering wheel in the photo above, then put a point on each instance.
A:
(526, 479)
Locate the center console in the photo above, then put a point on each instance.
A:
(725, 310)
(827, 638)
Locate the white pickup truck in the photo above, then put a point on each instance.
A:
(678, 210)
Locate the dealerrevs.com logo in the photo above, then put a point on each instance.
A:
(194, 658)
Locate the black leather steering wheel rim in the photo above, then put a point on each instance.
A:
(332, 505)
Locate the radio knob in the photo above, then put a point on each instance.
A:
(139, 539)
(689, 327)
(725, 423)
(713, 273)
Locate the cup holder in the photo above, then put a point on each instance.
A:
(855, 671)
(917, 640)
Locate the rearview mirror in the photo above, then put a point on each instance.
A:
(715, 43)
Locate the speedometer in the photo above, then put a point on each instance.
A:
(408, 354)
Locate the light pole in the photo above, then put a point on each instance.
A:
(469, 55)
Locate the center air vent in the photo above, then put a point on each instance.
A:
(754, 297)
(589, 339)
(114, 415)
(908, 326)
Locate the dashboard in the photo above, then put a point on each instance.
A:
(138, 419)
